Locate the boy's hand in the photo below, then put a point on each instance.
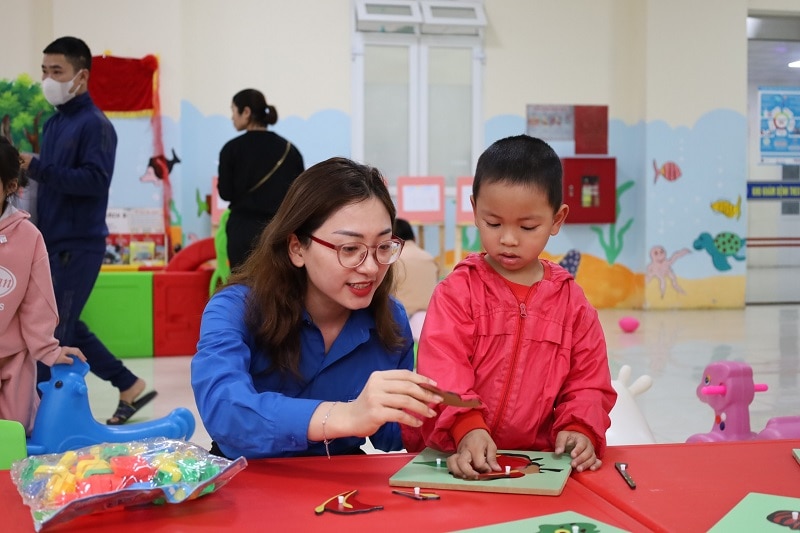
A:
(580, 448)
(476, 453)
(64, 357)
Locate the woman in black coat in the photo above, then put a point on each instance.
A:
(255, 171)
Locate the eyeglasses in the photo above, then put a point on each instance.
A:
(353, 254)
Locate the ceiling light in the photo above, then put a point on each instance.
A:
(795, 64)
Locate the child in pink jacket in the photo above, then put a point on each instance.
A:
(28, 314)
(514, 330)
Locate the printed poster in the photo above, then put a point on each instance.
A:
(551, 122)
(577, 129)
(779, 129)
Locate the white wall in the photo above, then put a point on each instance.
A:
(642, 58)
(126, 29)
(547, 53)
(27, 27)
(696, 58)
(297, 53)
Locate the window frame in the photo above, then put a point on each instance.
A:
(419, 46)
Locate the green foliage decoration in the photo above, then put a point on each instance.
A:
(22, 100)
(613, 246)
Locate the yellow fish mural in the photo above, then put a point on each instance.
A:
(730, 210)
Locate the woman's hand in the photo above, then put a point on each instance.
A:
(388, 396)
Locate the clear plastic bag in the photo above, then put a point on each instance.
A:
(61, 486)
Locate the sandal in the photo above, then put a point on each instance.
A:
(125, 410)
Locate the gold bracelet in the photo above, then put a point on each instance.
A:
(324, 436)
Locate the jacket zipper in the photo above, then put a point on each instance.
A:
(523, 313)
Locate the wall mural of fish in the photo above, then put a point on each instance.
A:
(671, 171)
(728, 208)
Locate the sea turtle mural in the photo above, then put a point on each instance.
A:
(724, 245)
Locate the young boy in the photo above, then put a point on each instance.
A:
(515, 330)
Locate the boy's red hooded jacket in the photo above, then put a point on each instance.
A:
(538, 367)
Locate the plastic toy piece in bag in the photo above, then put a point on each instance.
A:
(61, 486)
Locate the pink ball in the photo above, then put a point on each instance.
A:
(628, 324)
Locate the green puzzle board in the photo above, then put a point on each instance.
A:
(551, 523)
(418, 474)
(751, 513)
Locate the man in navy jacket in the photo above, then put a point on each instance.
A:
(74, 175)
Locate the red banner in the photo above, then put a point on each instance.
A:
(124, 85)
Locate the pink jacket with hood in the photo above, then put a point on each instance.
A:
(538, 367)
(28, 313)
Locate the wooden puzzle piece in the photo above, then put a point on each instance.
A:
(416, 494)
(346, 503)
(451, 398)
(489, 476)
(514, 465)
(534, 472)
(790, 519)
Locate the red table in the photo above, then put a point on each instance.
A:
(281, 494)
(690, 487)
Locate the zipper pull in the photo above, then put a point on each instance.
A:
(522, 312)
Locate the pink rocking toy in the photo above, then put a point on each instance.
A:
(727, 386)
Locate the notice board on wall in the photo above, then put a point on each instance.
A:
(420, 199)
(585, 127)
(779, 129)
(464, 214)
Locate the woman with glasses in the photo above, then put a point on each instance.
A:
(303, 352)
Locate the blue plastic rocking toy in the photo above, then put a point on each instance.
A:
(65, 422)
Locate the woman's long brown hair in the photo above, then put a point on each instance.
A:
(278, 288)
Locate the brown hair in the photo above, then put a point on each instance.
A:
(278, 288)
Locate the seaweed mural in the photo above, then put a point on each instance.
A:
(613, 245)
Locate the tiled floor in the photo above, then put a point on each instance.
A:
(673, 347)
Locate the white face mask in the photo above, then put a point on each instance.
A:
(58, 92)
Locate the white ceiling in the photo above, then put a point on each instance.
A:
(767, 60)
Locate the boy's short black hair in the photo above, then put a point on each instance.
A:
(75, 50)
(521, 160)
(403, 229)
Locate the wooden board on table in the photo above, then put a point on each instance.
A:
(551, 523)
(761, 512)
(545, 473)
